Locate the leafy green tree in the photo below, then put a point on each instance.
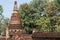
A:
(3, 21)
(51, 11)
(29, 13)
(41, 15)
(1, 10)
(26, 17)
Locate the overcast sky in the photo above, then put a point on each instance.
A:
(8, 6)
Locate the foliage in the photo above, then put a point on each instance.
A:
(26, 16)
(1, 10)
(41, 15)
(3, 21)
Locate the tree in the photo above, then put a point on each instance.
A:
(51, 11)
(1, 10)
(3, 21)
(40, 15)
(26, 17)
(29, 13)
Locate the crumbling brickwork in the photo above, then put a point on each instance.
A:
(14, 30)
(46, 36)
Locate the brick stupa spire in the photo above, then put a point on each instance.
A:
(15, 21)
(15, 6)
(15, 29)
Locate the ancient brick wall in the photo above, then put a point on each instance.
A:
(26, 36)
(2, 37)
(46, 36)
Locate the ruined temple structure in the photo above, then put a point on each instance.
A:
(14, 30)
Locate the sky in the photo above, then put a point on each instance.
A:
(9, 4)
